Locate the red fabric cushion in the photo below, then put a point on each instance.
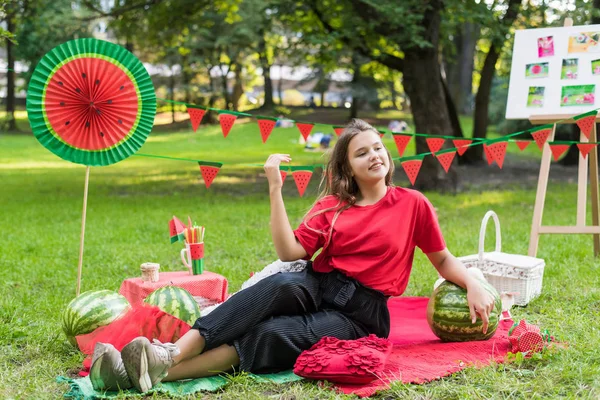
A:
(344, 361)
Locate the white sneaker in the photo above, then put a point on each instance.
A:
(147, 363)
(107, 371)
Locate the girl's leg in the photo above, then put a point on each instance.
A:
(294, 293)
(211, 362)
(189, 345)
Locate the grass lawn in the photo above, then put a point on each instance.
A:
(131, 202)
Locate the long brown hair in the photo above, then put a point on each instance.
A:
(337, 179)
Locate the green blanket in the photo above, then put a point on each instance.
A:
(81, 388)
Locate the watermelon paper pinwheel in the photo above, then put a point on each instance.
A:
(91, 102)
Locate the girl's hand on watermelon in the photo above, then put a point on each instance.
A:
(272, 169)
(480, 302)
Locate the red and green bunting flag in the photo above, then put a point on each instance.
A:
(304, 129)
(266, 125)
(301, 176)
(558, 150)
(401, 142)
(226, 120)
(522, 144)
(586, 122)
(412, 167)
(435, 144)
(196, 114)
(338, 130)
(176, 229)
(585, 148)
(461, 145)
(541, 135)
(209, 171)
(283, 173)
(445, 158)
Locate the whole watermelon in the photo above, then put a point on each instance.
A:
(91, 310)
(449, 317)
(175, 301)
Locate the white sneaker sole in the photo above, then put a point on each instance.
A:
(138, 368)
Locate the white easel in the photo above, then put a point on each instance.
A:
(580, 228)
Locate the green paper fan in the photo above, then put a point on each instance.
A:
(91, 102)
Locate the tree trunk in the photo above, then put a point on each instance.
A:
(393, 93)
(355, 90)
(238, 88)
(172, 92)
(323, 98)
(474, 154)
(452, 112)
(185, 77)
(11, 123)
(280, 85)
(460, 66)
(224, 88)
(430, 114)
(266, 67)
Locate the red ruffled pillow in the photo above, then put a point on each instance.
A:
(344, 361)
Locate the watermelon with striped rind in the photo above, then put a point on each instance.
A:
(91, 310)
(449, 317)
(175, 301)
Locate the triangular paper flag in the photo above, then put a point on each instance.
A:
(498, 151)
(522, 144)
(304, 129)
(435, 144)
(461, 145)
(541, 136)
(586, 122)
(227, 121)
(558, 150)
(283, 175)
(401, 142)
(412, 168)
(209, 171)
(446, 159)
(585, 148)
(338, 130)
(381, 133)
(176, 229)
(265, 126)
(196, 115)
(302, 178)
(488, 154)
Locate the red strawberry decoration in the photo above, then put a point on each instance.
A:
(301, 177)
(196, 115)
(461, 145)
(209, 171)
(412, 168)
(265, 126)
(401, 142)
(446, 159)
(304, 129)
(226, 121)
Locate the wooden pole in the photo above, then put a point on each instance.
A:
(81, 240)
(594, 188)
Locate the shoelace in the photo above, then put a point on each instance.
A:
(171, 350)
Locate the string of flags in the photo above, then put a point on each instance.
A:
(494, 149)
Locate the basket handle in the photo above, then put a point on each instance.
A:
(482, 233)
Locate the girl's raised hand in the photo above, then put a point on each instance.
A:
(272, 169)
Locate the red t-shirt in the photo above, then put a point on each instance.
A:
(374, 244)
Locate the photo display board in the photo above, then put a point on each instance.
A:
(555, 71)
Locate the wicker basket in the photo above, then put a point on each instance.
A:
(510, 273)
